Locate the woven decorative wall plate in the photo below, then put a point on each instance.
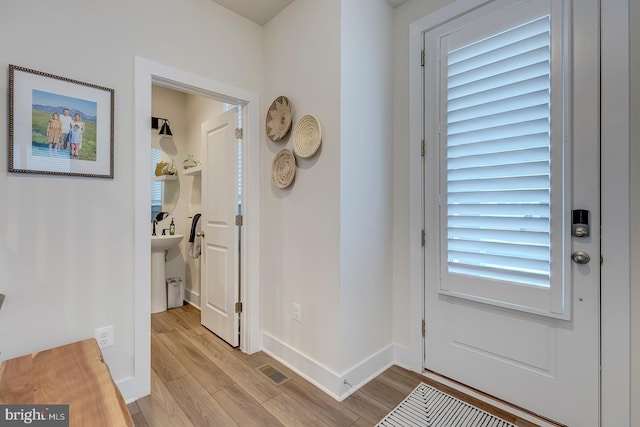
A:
(283, 169)
(307, 136)
(278, 120)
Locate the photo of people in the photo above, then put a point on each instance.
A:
(63, 126)
(54, 130)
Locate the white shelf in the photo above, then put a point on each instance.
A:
(165, 178)
(193, 171)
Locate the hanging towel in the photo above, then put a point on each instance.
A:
(194, 223)
(194, 239)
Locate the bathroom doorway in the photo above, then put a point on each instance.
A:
(187, 113)
(147, 75)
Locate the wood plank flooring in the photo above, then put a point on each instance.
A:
(199, 380)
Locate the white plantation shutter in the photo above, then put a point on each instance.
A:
(498, 156)
(499, 124)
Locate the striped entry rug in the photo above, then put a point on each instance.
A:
(428, 407)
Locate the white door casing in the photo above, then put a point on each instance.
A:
(546, 364)
(148, 72)
(219, 268)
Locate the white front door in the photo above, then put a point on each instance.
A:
(512, 147)
(220, 244)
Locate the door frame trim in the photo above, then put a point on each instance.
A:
(147, 73)
(615, 334)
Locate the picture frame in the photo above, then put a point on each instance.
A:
(41, 107)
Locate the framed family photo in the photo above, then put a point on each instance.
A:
(59, 126)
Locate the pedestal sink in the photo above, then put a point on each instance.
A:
(159, 244)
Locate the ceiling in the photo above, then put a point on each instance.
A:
(261, 11)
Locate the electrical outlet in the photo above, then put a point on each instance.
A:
(104, 336)
(297, 312)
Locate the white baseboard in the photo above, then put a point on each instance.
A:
(131, 389)
(324, 378)
(365, 371)
(314, 372)
(192, 297)
(403, 358)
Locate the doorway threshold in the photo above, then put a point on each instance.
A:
(523, 417)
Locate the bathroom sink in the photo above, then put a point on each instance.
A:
(161, 243)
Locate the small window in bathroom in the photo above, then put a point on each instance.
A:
(156, 186)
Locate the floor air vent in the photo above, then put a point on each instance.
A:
(276, 376)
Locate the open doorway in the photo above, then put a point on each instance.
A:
(181, 196)
(147, 74)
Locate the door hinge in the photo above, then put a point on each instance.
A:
(238, 133)
(238, 219)
(424, 328)
(423, 148)
(422, 58)
(424, 237)
(239, 307)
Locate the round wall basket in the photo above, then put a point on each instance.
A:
(283, 169)
(278, 120)
(307, 136)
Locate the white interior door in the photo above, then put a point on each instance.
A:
(220, 256)
(507, 311)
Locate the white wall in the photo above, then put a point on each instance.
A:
(66, 244)
(366, 180)
(171, 105)
(300, 238)
(327, 238)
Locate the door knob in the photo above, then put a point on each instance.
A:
(200, 234)
(580, 257)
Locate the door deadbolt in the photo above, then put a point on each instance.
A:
(580, 257)
(580, 223)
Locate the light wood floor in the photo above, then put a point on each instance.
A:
(199, 380)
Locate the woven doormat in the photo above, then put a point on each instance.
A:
(428, 407)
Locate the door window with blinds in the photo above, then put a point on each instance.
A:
(503, 155)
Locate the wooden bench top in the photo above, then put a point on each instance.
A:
(73, 374)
